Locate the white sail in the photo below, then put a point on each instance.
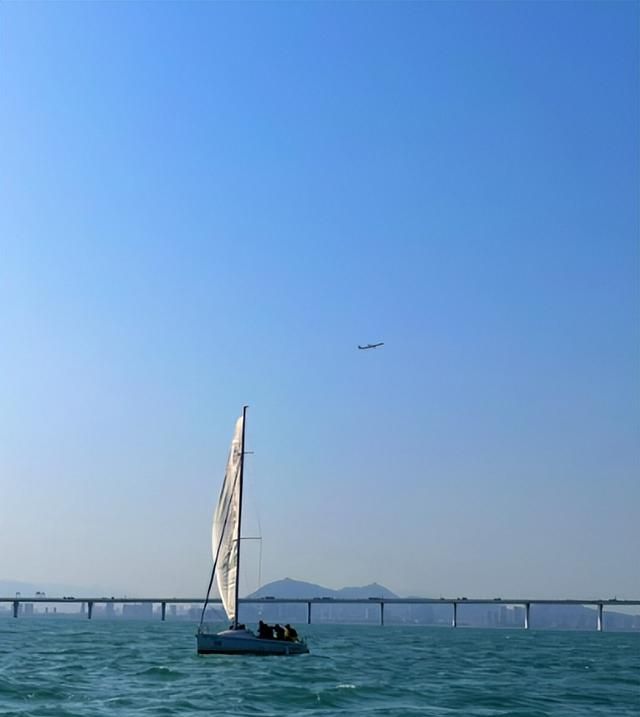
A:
(225, 527)
(237, 640)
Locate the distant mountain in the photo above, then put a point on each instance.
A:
(301, 590)
(367, 591)
(8, 588)
(329, 612)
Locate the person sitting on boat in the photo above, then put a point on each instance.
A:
(265, 631)
(290, 633)
(278, 631)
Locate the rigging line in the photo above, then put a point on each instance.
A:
(260, 550)
(215, 562)
(256, 506)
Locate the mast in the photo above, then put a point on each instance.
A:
(239, 529)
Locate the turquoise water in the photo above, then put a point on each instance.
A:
(60, 667)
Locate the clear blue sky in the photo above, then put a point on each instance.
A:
(203, 205)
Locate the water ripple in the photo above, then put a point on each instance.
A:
(65, 667)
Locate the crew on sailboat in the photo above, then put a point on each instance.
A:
(277, 632)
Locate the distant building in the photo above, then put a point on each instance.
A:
(138, 611)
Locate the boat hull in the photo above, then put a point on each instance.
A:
(244, 642)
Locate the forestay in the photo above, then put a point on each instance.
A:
(225, 536)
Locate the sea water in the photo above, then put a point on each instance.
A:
(57, 667)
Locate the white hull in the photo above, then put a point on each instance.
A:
(244, 642)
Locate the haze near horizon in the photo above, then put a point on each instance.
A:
(206, 205)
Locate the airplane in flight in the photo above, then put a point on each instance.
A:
(371, 346)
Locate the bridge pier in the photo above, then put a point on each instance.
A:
(454, 619)
(89, 610)
(308, 613)
(381, 613)
(527, 608)
(600, 625)
(163, 611)
(16, 606)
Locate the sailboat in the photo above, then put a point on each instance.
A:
(237, 640)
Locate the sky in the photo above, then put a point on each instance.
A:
(211, 204)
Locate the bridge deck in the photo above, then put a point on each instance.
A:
(318, 600)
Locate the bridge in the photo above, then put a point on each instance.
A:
(526, 603)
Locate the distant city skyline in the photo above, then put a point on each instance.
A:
(207, 205)
(280, 600)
